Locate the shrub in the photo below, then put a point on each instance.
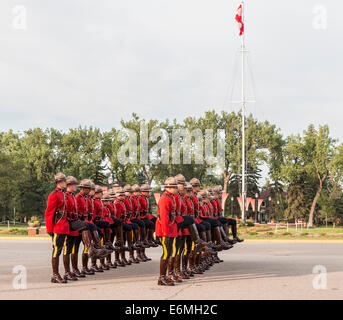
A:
(270, 233)
(253, 233)
(323, 234)
(250, 223)
(304, 234)
(286, 233)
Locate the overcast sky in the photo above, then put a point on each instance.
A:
(82, 62)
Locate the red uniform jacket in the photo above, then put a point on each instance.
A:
(219, 207)
(165, 227)
(215, 214)
(121, 211)
(196, 208)
(56, 201)
(109, 212)
(90, 207)
(82, 205)
(98, 213)
(204, 211)
(144, 207)
(128, 206)
(71, 211)
(135, 207)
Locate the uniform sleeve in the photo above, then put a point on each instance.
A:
(164, 209)
(49, 212)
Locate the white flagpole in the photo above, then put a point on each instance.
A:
(243, 121)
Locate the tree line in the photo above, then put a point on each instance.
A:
(304, 170)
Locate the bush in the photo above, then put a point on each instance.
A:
(253, 233)
(304, 234)
(286, 233)
(250, 224)
(270, 233)
(323, 234)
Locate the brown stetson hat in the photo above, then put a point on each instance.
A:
(170, 183)
(128, 188)
(120, 191)
(98, 189)
(136, 188)
(85, 183)
(60, 177)
(71, 180)
(180, 179)
(194, 182)
(145, 188)
(188, 186)
(106, 197)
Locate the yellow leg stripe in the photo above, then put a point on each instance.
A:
(73, 250)
(65, 246)
(55, 246)
(193, 245)
(174, 248)
(165, 252)
(85, 250)
(178, 251)
(185, 252)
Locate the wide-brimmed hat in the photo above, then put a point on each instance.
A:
(128, 188)
(188, 186)
(92, 185)
(98, 189)
(85, 183)
(180, 179)
(60, 177)
(136, 188)
(218, 189)
(71, 180)
(170, 183)
(145, 188)
(194, 182)
(120, 191)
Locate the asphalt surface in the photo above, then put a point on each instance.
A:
(251, 270)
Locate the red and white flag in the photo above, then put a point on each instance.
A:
(239, 20)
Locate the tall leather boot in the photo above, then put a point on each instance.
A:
(198, 266)
(85, 270)
(109, 262)
(56, 277)
(97, 244)
(131, 257)
(103, 265)
(226, 229)
(212, 245)
(177, 268)
(68, 275)
(140, 257)
(120, 238)
(117, 260)
(144, 237)
(94, 266)
(234, 234)
(224, 236)
(185, 269)
(163, 280)
(122, 257)
(157, 240)
(195, 237)
(107, 240)
(171, 274)
(137, 239)
(219, 240)
(150, 235)
(92, 251)
(76, 271)
(144, 255)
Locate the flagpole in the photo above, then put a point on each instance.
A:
(243, 121)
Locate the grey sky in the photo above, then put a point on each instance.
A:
(95, 62)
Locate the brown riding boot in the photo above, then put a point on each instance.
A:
(95, 267)
(177, 268)
(123, 259)
(171, 273)
(234, 234)
(140, 257)
(163, 280)
(117, 260)
(76, 271)
(56, 277)
(103, 265)
(185, 267)
(219, 240)
(199, 243)
(85, 270)
(107, 241)
(144, 237)
(68, 275)
(198, 266)
(92, 251)
(109, 262)
(131, 257)
(150, 235)
(144, 255)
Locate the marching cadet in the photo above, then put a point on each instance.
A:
(166, 228)
(56, 224)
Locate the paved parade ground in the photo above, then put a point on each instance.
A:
(251, 270)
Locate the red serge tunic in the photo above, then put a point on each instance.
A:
(215, 209)
(98, 213)
(135, 207)
(108, 212)
(82, 205)
(56, 201)
(165, 227)
(90, 206)
(178, 205)
(144, 207)
(71, 211)
(204, 211)
(121, 211)
(128, 209)
(219, 207)
(196, 207)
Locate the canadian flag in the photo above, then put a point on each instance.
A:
(239, 20)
